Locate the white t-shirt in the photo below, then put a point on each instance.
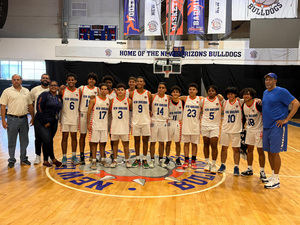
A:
(16, 101)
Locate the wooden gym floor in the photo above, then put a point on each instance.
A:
(35, 195)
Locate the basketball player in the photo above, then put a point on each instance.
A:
(97, 123)
(254, 131)
(159, 129)
(231, 129)
(120, 106)
(174, 124)
(34, 94)
(191, 124)
(86, 92)
(210, 125)
(109, 81)
(70, 117)
(141, 100)
(131, 84)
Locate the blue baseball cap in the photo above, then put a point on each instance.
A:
(273, 75)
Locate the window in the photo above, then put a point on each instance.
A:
(29, 70)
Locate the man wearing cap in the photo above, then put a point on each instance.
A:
(18, 102)
(275, 105)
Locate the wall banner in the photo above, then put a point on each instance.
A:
(195, 16)
(131, 22)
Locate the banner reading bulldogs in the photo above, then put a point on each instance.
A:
(195, 16)
(217, 17)
(152, 17)
(250, 9)
(131, 23)
(176, 17)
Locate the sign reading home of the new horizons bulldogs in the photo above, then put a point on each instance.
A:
(250, 9)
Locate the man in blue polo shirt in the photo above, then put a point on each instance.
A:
(275, 104)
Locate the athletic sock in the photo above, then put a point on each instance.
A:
(64, 155)
(213, 162)
(262, 169)
(193, 158)
(186, 159)
(207, 160)
(93, 160)
(160, 158)
(250, 167)
(236, 165)
(73, 153)
(276, 176)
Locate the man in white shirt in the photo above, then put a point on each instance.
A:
(34, 94)
(18, 102)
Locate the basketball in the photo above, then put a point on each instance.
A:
(265, 2)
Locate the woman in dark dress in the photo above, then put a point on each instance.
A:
(48, 107)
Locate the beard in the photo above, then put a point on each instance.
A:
(45, 83)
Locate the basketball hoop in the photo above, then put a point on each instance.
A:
(167, 72)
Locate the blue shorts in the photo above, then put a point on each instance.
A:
(275, 139)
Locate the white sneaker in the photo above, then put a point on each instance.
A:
(274, 183)
(128, 164)
(162, 164)
(267, 180)
(151, 163)
(207, 167)
(213, 168)
(37, 160)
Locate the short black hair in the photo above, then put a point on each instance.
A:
(175, 87)
(107, 77)
(121, 85)
(93, 76)
(102, 84)
(232, 90)
(132, 78)
(163, 83)
(213, 87)
(71, 75)
(141, 77)
(249, 90)
(193, 85)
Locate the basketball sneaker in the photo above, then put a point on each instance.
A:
(136, 163)
(222, 168)
(236, 171)
(262, 176)
(185, 164)
(74, 160)
(273, 183)
(93, 165)
(267, 180)
(64, 161)
(207, 167)
(145, 164)
(81, 161)
(178, 162)
(247, 173)
(113, 164)
(167, 161)
(213, 168)
(128, 164)
(162, 164)
(193, 165)
(151, 163)
(37, 160)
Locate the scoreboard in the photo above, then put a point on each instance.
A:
(97, 32)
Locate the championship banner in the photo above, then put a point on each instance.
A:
(176, 17)
(250, 9)
(152, 18)
(217, 17)
(131, 22)
(195, 17)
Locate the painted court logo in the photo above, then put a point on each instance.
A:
(136, 182)
(264, 7)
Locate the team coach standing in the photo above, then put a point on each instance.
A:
(18, 102)
(275, 106)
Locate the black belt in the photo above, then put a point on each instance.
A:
(20, 117)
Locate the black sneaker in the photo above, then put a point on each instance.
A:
(81, 161)
(236, 171)
(11, 165)
(262, 176)
(247, 173)
(167, 161)
(178, 162)
(25, 162)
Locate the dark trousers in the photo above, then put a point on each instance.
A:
(46, 136)
(37, 142)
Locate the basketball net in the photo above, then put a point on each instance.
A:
(167, 72)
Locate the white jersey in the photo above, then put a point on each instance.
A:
(160, 108)
(232, 122)
(140, 108)
(120, 116)
(70, 109)
(191, 116)
(253, 117)
(212, 110)
(127, 93)
(86, 94)
(112, 95)
(35, 93)
(175, 111)
(99, 118)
